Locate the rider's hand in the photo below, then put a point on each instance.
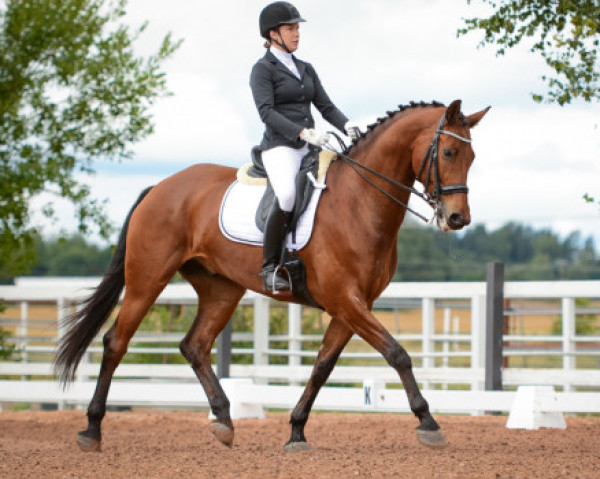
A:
(352, 130)
(314, 137)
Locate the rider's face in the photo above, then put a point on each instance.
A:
(289, 35)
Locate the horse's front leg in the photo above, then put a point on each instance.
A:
(336, 337)
(360, 319)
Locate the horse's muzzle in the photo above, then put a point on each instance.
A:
(457, 221)
(449, 218)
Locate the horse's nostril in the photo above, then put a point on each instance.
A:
(456, 220)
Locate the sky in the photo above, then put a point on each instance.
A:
(534, 162)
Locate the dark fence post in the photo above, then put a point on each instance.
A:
(494, 326)
(224, 351)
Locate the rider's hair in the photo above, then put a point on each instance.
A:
(268, 41)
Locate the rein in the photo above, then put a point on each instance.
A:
(430, 161)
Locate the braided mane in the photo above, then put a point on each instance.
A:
(389, 116)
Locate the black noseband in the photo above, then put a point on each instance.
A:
(452, 189)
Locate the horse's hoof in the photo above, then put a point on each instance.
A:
(222, 432)
(433, 439)
(87, 444)
(296, 447)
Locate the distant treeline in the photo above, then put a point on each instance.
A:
(424, 254)
(427, 254)
(72, 256)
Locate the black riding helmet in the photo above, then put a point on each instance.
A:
(276, 14)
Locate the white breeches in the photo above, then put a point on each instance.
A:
(282, 163)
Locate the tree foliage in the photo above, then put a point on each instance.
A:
(590, 199)
(425, 254)
(566, 34)
(72, 91)
(67, 256)
(71, 256)
(6, 349)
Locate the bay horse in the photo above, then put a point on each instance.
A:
(350, 259)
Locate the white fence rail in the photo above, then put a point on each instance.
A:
(244, 395)
(445, 356)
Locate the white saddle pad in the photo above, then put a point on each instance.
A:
(238, 209)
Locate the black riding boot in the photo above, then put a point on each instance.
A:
(276, 228)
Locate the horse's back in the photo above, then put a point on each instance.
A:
(197, 177)
(199, 180)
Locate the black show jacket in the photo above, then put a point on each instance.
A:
(283, 101)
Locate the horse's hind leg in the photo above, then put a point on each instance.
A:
(335, 339)
(136, 304)
(217, 300)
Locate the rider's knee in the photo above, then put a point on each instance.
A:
(286, 201)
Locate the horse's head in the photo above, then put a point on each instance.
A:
(442, 165)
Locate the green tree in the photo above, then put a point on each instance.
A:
(564, 32)
(6, 349)
(590, 199)
(65, 256)
(71, 256)
(72, 91)
(426, 254)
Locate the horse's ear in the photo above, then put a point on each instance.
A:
(473, 119)
(453, 113)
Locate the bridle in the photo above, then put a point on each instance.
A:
(431, 161)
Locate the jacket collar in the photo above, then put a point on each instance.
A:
(281, 67)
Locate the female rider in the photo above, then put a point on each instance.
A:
(283, 88)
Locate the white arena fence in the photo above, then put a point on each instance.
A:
(448, 350)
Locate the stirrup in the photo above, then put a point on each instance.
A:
(270, 284)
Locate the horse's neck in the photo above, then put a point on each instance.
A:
(390, 154)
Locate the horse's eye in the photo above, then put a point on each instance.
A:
(449, 153)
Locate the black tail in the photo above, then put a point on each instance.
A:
(83, 326)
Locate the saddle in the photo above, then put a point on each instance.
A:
(306, 183)
(304, 187)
